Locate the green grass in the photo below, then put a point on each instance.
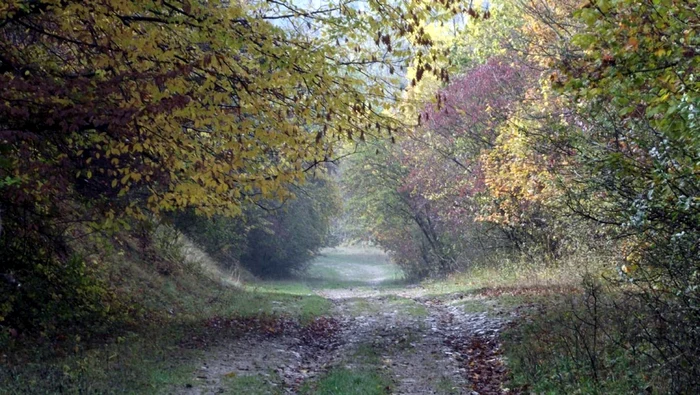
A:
(403, 306)
(253, 385)
(281, 298)
(351, 268)
(366, 354)
(362, 306)
(475, 305)
(343, 381)
(506, 274)
(407, 306)
(157, 345)
(140, 363)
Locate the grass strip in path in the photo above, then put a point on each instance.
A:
(363, 381)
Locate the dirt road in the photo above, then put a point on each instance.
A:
(410, 339)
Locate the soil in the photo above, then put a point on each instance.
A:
(425, 344)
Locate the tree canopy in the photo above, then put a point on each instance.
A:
(165, 105)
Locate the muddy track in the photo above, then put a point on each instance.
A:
(425, 345)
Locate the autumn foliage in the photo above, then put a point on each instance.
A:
(571, 135)
(114, 114)
(534, 131)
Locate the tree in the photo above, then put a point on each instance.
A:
(274, 241)
(425, 198)
(116, 110)
(634, 76)
(285, 240)
(205, 105)
(626, 73)
(378, 204)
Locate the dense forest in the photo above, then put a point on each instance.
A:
(506, 136)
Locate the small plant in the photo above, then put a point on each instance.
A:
(584, 341)
(349, 382)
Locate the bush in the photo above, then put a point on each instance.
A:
(47, 287)
(605, 339)
(269, 242)
(224, 239)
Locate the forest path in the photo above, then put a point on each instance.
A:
(402, 339)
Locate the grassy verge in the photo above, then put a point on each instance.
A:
(132, 363)
(406, 306)
(151, 357)
(572, 332)
(154, 347)
(284, 298)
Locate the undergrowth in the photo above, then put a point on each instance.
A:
(572, 329)
(579, 343)
(170, 292)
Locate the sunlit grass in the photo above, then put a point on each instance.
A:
(288, 298)
(346, 267)
(508, 273)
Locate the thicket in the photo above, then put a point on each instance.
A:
(572, 129)
(48, 287)
(269, 241)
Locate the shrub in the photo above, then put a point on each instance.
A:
(269, 242)
(48, 288)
